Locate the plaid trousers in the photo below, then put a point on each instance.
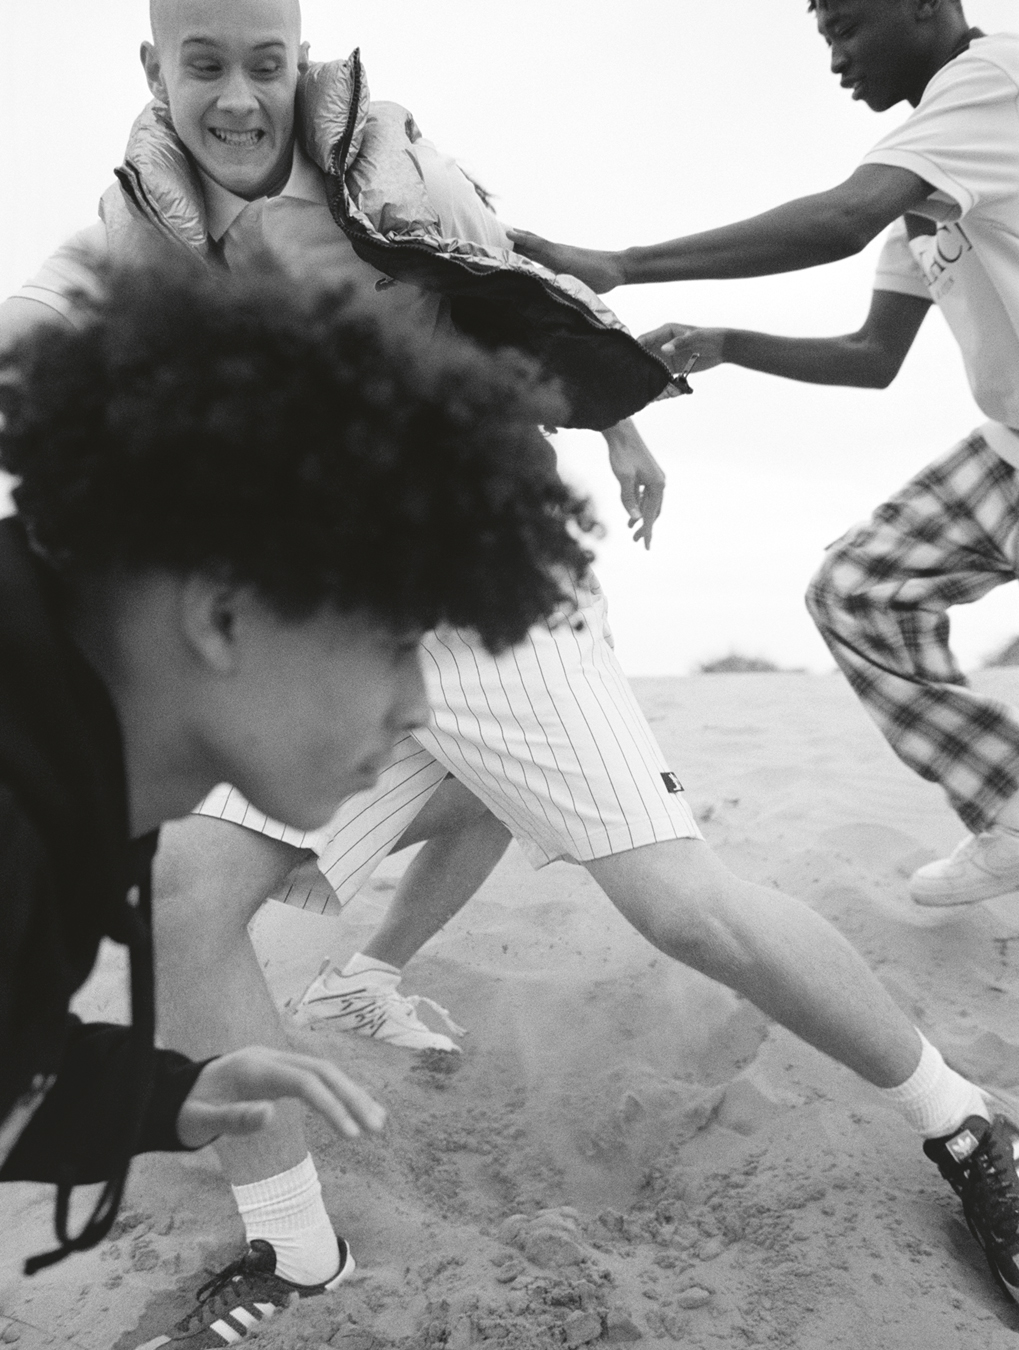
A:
(880, 600)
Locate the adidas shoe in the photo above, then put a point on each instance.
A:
(233, 1304)
(981, 867)
(979, 1163)
(368, 1004)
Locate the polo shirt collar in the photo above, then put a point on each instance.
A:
(222, 207)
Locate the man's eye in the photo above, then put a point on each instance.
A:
(267, 72)
(205, 67)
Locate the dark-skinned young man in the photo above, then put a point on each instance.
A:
(947, 182)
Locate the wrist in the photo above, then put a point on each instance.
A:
(626, 263)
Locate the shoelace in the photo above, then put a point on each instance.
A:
(212, 1297)
(999, 1195)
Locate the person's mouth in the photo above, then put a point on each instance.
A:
(856, 86)
(238, 140)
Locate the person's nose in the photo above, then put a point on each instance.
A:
(237, 98)
(839, 60)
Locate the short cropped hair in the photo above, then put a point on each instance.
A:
(287, 438)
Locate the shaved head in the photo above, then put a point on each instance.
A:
(168, 16)
(228, 71)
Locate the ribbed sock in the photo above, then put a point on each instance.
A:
(287, 1210)
(358, 964)
(935, 1100)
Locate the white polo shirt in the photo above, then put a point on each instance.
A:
(963, 139)
(298, 230)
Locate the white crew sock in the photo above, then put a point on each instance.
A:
(358, 964)
(935, 1099)
(287, 1210)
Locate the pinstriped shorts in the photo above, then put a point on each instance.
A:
(548, 735)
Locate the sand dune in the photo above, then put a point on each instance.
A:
(625, 1150)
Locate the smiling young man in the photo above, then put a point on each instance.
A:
(203, 466)
(239, 130)
(947, 181)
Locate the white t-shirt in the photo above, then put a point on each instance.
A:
(963, 139)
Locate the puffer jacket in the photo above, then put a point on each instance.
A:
(378, 199)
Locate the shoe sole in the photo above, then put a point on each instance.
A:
(936, 898)
(309, 1019)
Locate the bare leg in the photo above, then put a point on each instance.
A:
(768, 947)
(211, 878)
(465, 841)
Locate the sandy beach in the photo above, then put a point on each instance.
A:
(625, 1151)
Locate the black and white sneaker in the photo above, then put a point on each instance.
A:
(233, 1304)
(979, 1163)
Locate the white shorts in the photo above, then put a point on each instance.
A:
(548, 735)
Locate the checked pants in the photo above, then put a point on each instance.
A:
(880, 600)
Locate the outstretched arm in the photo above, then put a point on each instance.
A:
(804, 233)
(20, 317)
(867, 359)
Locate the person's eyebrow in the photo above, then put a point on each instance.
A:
(200, 40)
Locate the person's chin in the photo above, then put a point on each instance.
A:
(242, 179)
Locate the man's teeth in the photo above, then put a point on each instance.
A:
(240, 138)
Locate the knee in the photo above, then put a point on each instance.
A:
(831, 588)
(202, 900)
(681, 897)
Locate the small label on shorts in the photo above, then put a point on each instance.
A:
(672, 783)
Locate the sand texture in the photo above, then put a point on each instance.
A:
(625, 1152)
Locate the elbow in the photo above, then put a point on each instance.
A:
(875, 369)
(845, 237)
(846, 229)
(882, 376)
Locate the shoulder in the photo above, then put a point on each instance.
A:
(991, 63)
(67, 272)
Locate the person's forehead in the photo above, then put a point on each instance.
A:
(831, 12)
(252, 22)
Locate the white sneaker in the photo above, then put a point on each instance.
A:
(368, 1004)
(980, 868)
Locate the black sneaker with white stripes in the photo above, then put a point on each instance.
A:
(979, 1163)
(235, 1303)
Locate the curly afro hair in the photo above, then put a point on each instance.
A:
(284, 437)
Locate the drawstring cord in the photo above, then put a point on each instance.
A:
(142, 1055)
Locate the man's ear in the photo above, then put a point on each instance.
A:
(209, 612)
(153, 71)
(303, 58)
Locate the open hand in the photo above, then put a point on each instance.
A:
(641, 478)
(679, 345)
(234, 1095)
(599, 270)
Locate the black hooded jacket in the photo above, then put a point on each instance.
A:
(76, 1100)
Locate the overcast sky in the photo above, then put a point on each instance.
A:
(604, 123)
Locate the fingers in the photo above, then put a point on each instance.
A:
(630, 497)
(654, 495)
(532, 246)
(246, 1081)
(659, 338)
(347, 1107)
(524, 241)
(199, 1123)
